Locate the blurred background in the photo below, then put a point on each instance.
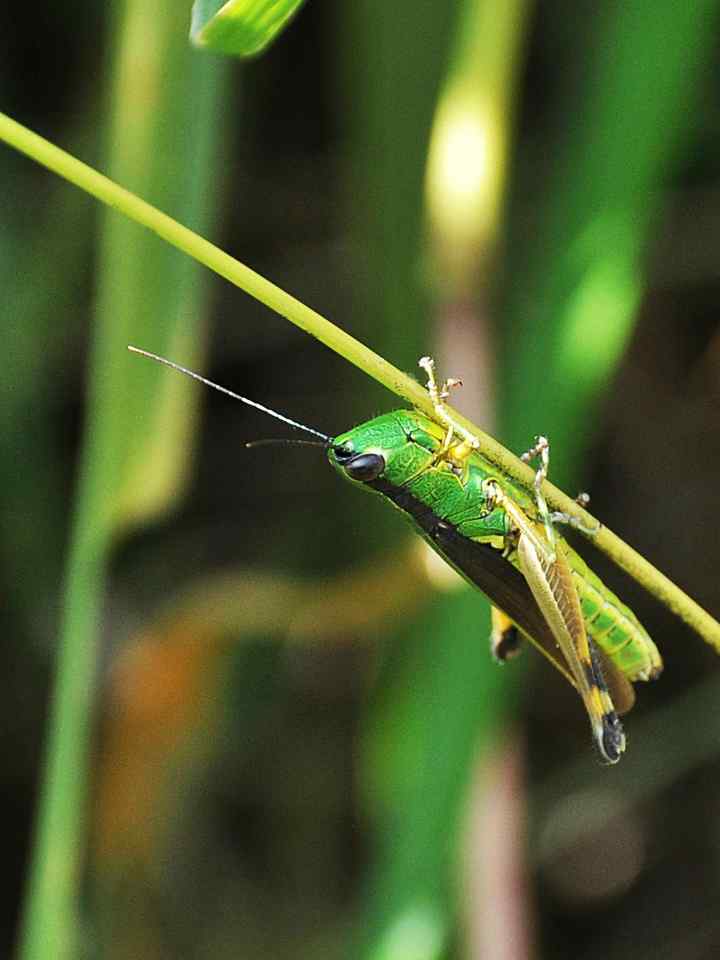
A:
(300, 746)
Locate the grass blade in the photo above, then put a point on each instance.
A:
(240, 27)
(118, 392)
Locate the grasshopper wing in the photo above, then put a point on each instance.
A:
(485, 567)
(506, 643)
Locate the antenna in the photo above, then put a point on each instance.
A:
(283, 442)
(235, 396)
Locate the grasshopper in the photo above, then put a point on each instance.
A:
(503, 540)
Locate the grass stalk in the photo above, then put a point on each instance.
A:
(140, 290)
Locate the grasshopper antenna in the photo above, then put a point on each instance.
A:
(284, 442)
(235, 396)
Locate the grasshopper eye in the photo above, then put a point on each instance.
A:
(365, 466)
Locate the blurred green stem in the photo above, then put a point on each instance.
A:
(355, 352)
(445, 704)
(169, 152)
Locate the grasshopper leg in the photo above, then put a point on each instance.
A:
(438, 396)
(557, 516)
(505, 638)
(582, 500)
(541, 450)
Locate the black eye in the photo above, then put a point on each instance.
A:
(343, 452)
(365, 466)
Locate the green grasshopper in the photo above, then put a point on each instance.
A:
(501, 539)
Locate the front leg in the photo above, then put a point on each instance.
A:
(438, 396)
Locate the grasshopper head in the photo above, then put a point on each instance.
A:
(384, 448)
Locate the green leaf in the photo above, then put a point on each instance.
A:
(240, 27)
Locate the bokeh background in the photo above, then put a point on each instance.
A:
(300, 746)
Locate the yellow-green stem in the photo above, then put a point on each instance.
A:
(342, 343)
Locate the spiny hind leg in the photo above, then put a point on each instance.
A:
(438, 396)
(505, 638)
